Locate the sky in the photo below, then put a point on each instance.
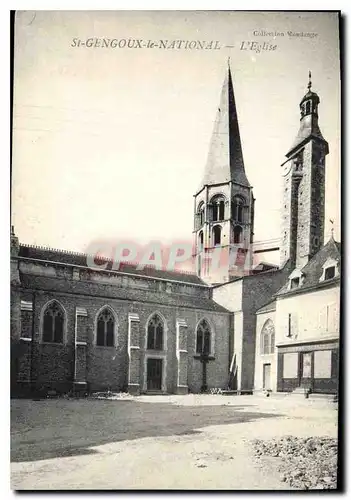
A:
(111, 143)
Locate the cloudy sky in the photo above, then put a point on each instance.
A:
(110, 143)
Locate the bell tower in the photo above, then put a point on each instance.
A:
(224, 202)
(304, 187)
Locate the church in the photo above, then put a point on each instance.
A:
(237, 326)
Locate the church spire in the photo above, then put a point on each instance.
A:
(225, 158)
(224, 202)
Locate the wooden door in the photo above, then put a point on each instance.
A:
(306, 370)
(154, 374)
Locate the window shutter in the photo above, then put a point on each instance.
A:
(333, 319)
(287, 324)
(323, 319)
(294, 324)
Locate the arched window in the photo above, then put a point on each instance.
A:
(217, 235)
(201, 214)
(203, 338)
(217, 207)
(53, 323)
(238, 233)
(267, 337)
(238, 209)
(201, 240)
(155, 331)
(105, 333)
(308, 107)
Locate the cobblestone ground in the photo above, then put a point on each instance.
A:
(159, 442)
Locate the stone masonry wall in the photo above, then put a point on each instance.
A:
(54, 367)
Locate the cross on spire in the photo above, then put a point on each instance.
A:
(309, 80)
(332, 227)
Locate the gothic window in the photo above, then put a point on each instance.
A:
(201, 240)
(238, 209)
(155, 332)
(217, 208)
(238, 233)
(217, 235)
(53, 323)
(267, 338)
(203, 338)
(105, 329)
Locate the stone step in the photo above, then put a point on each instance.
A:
(326, 397)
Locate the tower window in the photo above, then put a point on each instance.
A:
(200, 214)
(238, 209)
(238, 233)
(201, 240)
(217, 235)
(308, 107)
(218, 208)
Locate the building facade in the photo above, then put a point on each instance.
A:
(91, 328)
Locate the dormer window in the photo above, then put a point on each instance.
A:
(296, 279)
(294, 283)
(330, 270)
(330, 273)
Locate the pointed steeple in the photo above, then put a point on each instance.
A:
(225, 158)
(309, 128)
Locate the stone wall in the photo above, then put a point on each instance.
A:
(79, 362)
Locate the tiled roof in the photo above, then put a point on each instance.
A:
(80, 259)
(271, 305)
(313, 270)
(264, 266)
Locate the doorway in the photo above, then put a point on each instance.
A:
(305, 374)
(267, 377)
(154, 374)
